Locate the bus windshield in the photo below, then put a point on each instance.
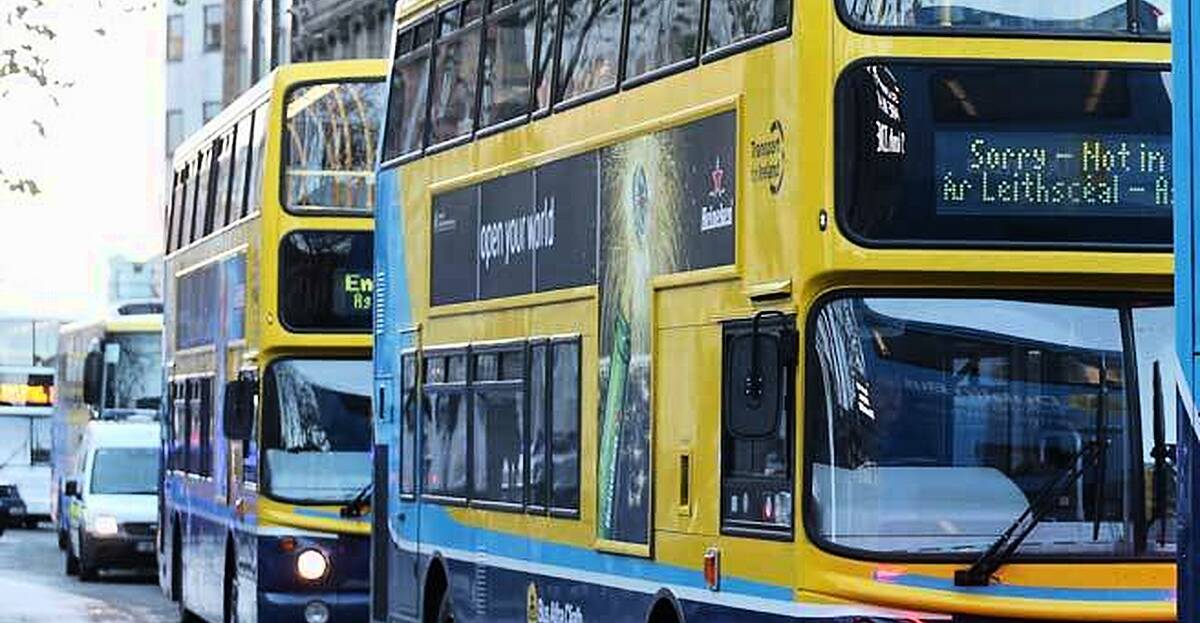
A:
(317, 429)
(331, 135)
(125, 471)
(1031, 16)
(136, 381)
(935, 422)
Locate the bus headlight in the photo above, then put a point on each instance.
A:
(312, 565)
(316, 612)
(105, 525)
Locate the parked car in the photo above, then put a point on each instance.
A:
(113, 513)
(13, 505)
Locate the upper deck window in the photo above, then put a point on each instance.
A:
(332, 134)
(946, 154)
(1117, 18)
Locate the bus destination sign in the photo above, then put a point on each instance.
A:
(1052, 173)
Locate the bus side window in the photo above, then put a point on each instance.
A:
(757, 422)
(508, 42)
(455, 66)
(229, 170)
(661, 39)
(239, 205)
(207, 430)
(219, 187)
(564, 426)
(169, 221)
(254, 203)
(588, 59)
(183, 229)
(733, 21)
(200, 210)
(546, 53)
(538, 443)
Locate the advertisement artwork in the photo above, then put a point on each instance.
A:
(657, 204)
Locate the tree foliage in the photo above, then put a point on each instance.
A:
(29, 38)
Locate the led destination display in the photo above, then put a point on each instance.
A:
(1038, 172)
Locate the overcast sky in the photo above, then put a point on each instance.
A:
(98, 165)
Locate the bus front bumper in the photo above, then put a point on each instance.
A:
(341, 605)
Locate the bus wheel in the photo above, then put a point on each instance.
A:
(231, 587)
(446, 609)
(664, 612)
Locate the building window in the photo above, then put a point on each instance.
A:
(212, 27)
(174, 129)
(211, 109)
(175, 38)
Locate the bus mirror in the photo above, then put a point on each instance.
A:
(112, 353)
(93, 376)
(757, 362)
(238, 417)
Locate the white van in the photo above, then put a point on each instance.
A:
(113, 514)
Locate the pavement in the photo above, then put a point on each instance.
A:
(34, 588)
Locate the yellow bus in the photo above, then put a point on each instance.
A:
(740, 310)
(267, 351)
(124, 381)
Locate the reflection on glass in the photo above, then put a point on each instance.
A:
(591, 44)
(136, 380)
(1147, 16)
(1154, 340)
(332, 133)
(934, 422)
(731, 21)
(509, 41)
(452, 110)
(317, 429)
(444, 441)
(125, 471)
(661, 34)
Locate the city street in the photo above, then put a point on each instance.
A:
(33, 587)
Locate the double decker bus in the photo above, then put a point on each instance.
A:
(758, 310)
(267, 351)
(27, 355)
(109, 368)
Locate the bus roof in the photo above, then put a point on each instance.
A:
(141, 323)
(284, 74)
(406, 9)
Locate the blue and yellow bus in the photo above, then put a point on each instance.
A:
(267, 352)
(775, 310)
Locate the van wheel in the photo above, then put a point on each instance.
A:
(231, 590)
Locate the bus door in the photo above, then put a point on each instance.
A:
(400, 523)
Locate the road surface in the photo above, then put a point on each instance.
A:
(34, 589)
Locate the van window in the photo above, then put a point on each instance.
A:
(125, 471)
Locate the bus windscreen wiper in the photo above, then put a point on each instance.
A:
(358, 505)
(1002, 549)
